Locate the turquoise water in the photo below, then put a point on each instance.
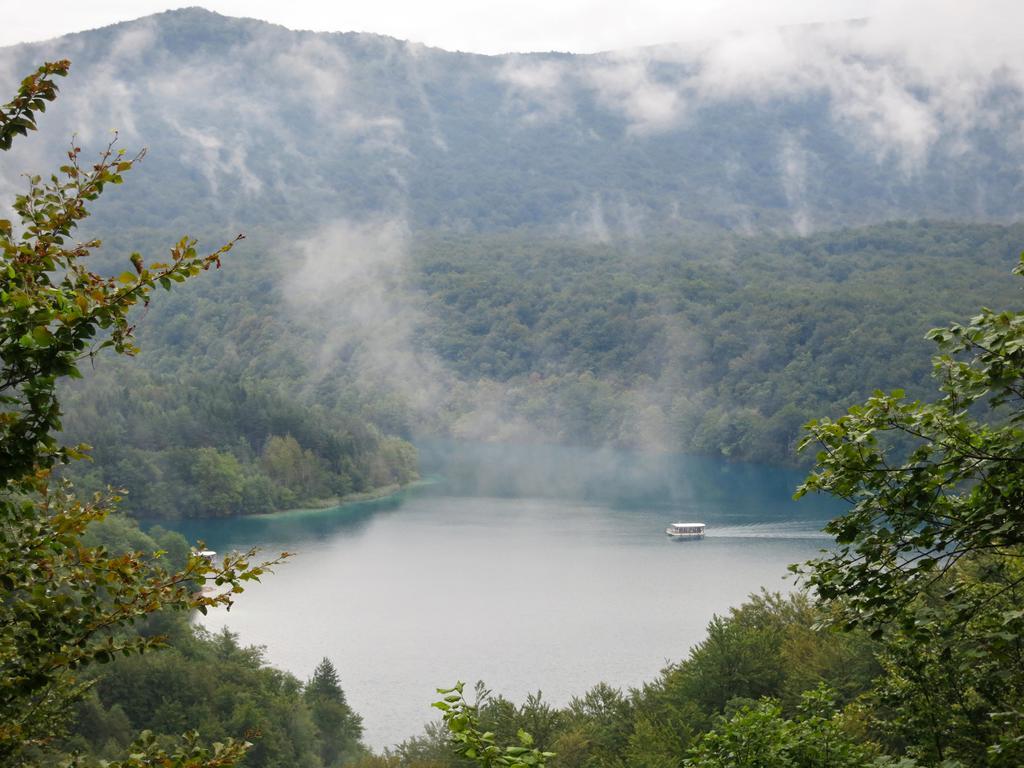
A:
(530, 568)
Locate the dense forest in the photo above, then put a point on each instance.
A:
(723, 346)
(512, 247)
(221, 418)
(913, 663)
(224, 448)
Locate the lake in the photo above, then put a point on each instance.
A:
(531, 568)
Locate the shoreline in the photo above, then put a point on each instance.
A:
(316, 505)
(338, 502)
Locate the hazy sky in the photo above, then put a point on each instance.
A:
(483, 26)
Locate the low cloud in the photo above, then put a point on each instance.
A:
(900, 84)
(627, 85)
(350, 289)
(794, 161)
(242, 115)
(350, 285)
(537, 89)
(331, 123)
(588, 222)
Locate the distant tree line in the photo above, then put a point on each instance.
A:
(223, 448)
(721, 345)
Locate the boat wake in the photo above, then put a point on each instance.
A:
(783, 529)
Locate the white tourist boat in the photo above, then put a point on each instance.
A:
(686, 530)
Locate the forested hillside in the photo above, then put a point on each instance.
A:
(722, 345)
(805, 128)
(598, 249)
(223, 416)
(224, 448)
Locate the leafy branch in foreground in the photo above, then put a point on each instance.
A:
(17, 117)
(930, 554)
(463, 723)
(54, 307)
(928, 483)
(67, 605)
(147, 752)
(759, 735)
(63, 604)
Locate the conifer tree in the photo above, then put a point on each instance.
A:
(339, 727)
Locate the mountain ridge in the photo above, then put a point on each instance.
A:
(249, 121)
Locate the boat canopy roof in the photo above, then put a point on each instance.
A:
(688, 525)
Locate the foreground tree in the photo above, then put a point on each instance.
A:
(758, 735)
(65, 605)
(470, 742)
(339, 727)
(928, 557)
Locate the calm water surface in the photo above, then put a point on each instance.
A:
(529, 568)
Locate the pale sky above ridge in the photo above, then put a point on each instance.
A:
(481, 26)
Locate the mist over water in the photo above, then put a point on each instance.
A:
(528, 567)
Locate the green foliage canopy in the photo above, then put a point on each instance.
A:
(928, 554)
(67, 605)
(17, 117)
(462, 720)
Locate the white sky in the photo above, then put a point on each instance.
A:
(482, 26)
